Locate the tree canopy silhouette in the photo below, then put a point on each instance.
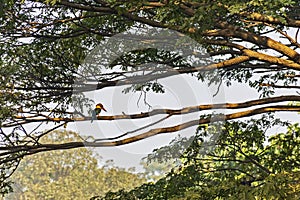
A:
(44, 44)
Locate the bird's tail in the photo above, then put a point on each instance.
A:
(94, 116)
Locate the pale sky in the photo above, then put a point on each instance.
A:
(181, 91)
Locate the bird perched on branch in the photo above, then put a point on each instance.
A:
(99, 107)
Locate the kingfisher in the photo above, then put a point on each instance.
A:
(97, 111)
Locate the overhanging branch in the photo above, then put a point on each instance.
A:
(28, 150)
(186, 110)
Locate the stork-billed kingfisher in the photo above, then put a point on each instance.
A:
(97, 111)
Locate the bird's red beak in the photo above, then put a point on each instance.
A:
(104, 109)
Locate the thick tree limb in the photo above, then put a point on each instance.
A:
(186, 110)
(257, 55)
(269, 19)
(28, 150)
(228, 30)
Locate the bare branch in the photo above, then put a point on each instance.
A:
(186, 110)
(50, 147)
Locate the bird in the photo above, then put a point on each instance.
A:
(99, 107)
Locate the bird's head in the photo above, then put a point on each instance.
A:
(100, 105)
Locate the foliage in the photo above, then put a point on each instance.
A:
(68, 174)
(41, 55)
(243, 165)
(43, 45)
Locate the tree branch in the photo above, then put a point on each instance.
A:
(28, 150)
(35, 118)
